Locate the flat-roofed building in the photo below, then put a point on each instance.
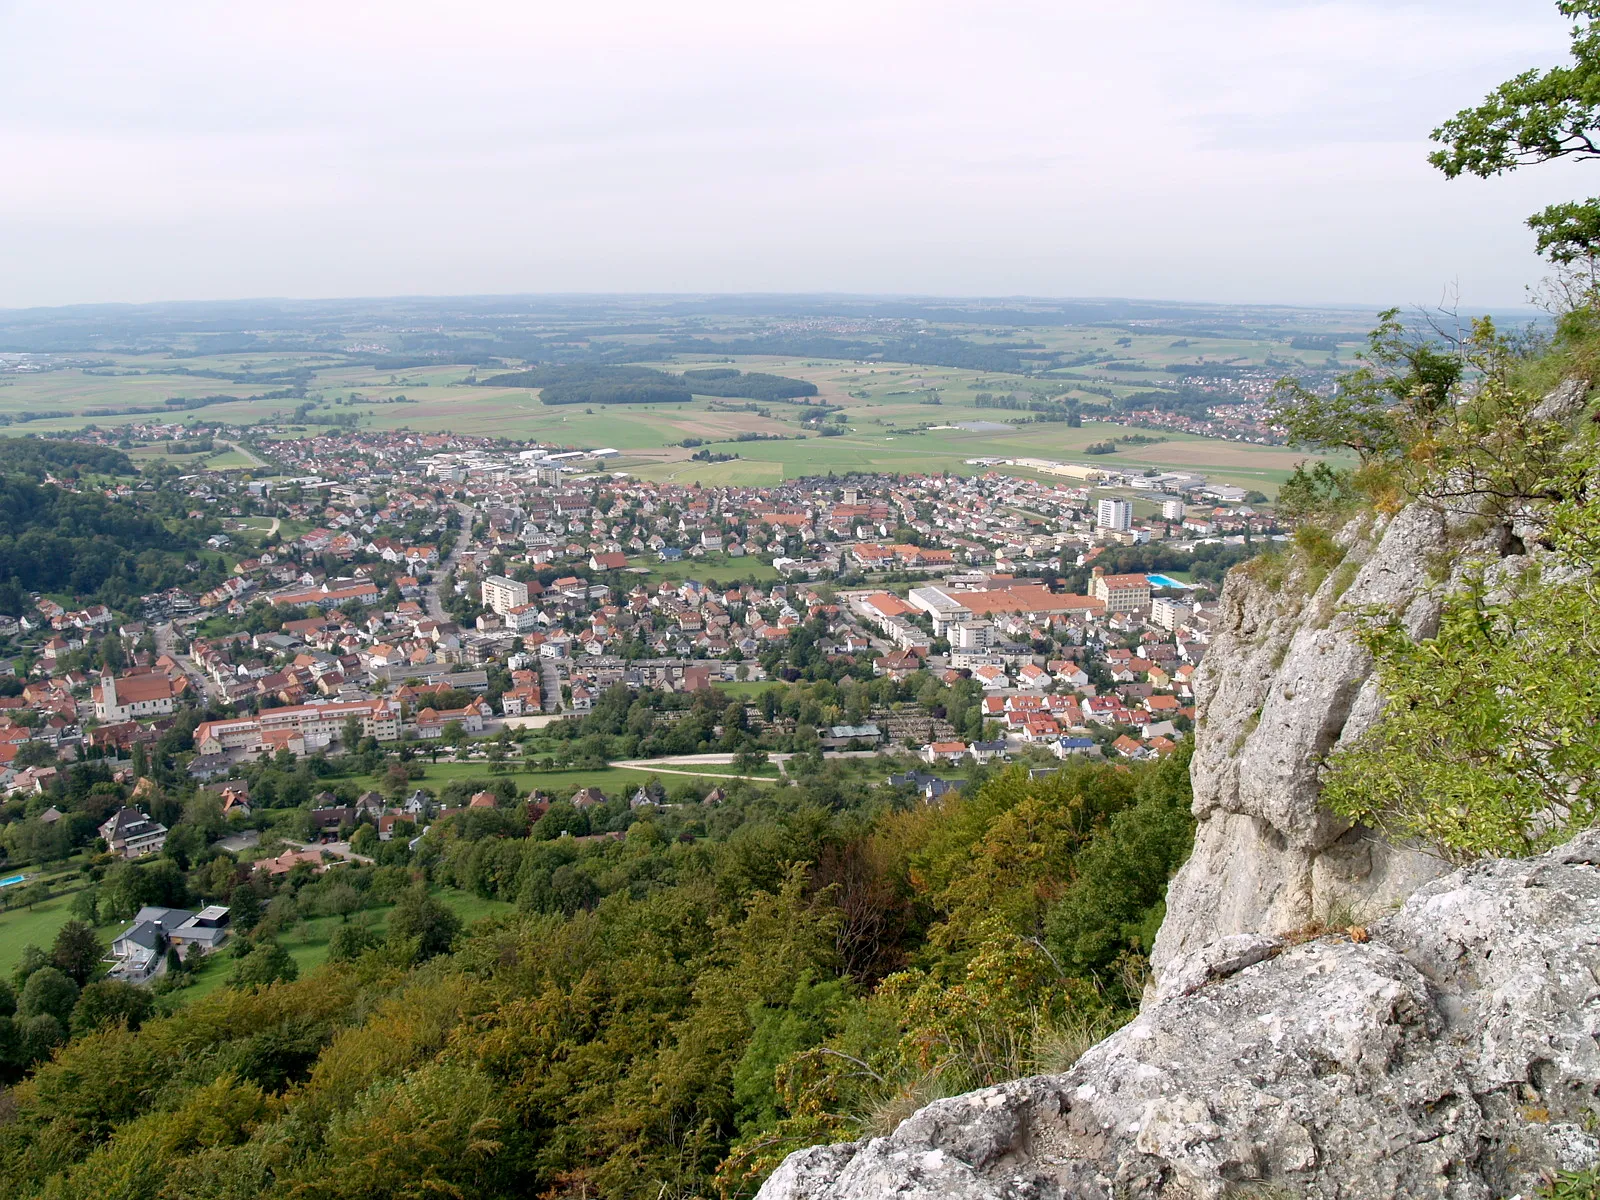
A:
(311, 726)
(951, 608)
(1168, 613)
(1114, 514)
(501, 595)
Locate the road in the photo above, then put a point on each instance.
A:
(550, 684)
(167, 643)
(684, 764)
(435, 605)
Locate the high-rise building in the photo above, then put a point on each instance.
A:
(1168, 613)
(1172, 510)
(501, 595)
(1115, 514)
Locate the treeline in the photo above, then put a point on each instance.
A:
(1185, 399)
(671, 1006)
(1319, 341)
(186, 403)
(941, 350)
(589, 384)
(1207, 370)
(747, 385)
(596, 385)
(1043, 408)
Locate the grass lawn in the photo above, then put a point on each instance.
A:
(726, 771)
(31, 926)
(749, 689)
(228, 460)
(307, 942)
(713, 568)
(37, 926)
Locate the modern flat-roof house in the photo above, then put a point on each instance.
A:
(137, 952)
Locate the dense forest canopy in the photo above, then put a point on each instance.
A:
(82, 544)
(665, 1013)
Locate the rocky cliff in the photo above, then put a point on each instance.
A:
(1451, 1049)
(1285, 681)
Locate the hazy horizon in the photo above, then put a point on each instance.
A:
(1235, 152)
(862, 297)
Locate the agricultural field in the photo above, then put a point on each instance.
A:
(897, 416)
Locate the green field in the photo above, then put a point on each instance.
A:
(747, 690)
(713, 568)
(35, 926)
(885, 405)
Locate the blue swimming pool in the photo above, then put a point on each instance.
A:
(14, 879)
(1166, 581)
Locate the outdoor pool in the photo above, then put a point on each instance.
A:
(13, 879)
(1166, 581)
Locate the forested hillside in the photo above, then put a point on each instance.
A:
(85, 545)
(669, 1010)
(38, 457)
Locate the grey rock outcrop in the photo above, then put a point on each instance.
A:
(1453, 1053)
(1285, 681)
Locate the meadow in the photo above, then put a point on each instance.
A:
(36, 925)
(307, 939)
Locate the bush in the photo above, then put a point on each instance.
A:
(419, 918)
(350, 942)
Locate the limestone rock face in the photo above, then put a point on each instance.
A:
(1285, 681)
(1453, 1053)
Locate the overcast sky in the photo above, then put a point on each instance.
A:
(1234, 150)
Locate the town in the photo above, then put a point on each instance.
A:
(376, 602)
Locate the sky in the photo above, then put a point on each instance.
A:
(1245, 151)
